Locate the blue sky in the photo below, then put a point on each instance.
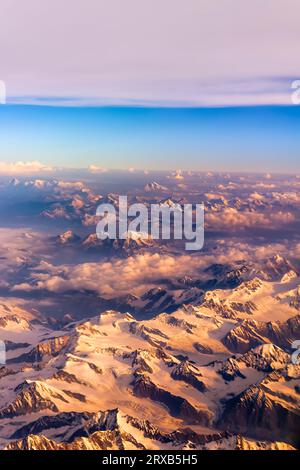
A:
(211, 81)
(257, 138)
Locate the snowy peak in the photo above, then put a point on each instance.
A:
(277, 266)
(14, 323)
(33, 397)
(68, 237)
(261, 407)
(264, 358)
(153, 186)
(252, 333)
(289, 276)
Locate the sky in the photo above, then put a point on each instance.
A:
(184, 83)
(227, 139)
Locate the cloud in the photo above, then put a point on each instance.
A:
(97, 169)
(212, 196)
(139, 273)
(232, 219)
(30, 264)
(21, 167)
(135, 274)
(290, 197)
(203, 53)
(19, 248)
(257, 196)
(112, 278)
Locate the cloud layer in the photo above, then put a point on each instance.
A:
(137, 274)
(172, 52)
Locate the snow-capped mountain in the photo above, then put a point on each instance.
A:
(129, 244)
(153, 186)
(67, 237)
(206, 376)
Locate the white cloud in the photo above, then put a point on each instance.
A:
(113, 278)
(97, 169)
(257, 196)
(232, 219)
(135, 274)
(23, 167)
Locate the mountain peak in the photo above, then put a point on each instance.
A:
(67, 237)
(153, 186)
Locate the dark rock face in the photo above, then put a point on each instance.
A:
(202, 349)
(226, 276)
(140, 363)
(102, 431)
(101, 440)
(295, 302)
(230, 370)
(265, 358)
(188, 373)
(187, 326)
(252, 333)
(257, 413)
(178, 406)
(157, 296)
(43, 350)
(180, 436)
(33, 442)
(12, 346)
(31, 398)
(226, 308)
(67, 377)
(4, 371)
(52, 422)
(147, 333)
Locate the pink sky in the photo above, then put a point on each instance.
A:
(158, 51)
